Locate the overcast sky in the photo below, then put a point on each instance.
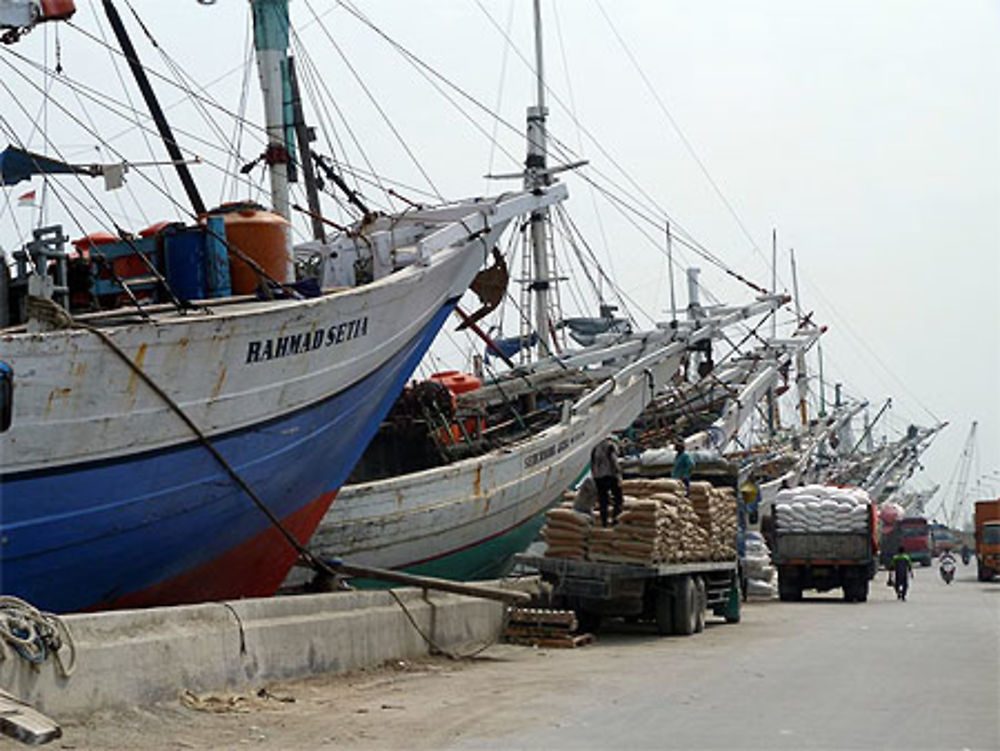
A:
(867, 133)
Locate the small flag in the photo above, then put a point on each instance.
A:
(28, 199)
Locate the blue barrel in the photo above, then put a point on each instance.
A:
(185, 262)
(217, 258)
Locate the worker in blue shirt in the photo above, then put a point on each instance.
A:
(683, 466)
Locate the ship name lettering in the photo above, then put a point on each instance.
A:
(261, 350)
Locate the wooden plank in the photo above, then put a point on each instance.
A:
(558, 642)
(24, 723)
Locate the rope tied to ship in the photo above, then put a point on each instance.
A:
(35, 635)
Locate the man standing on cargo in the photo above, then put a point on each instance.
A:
(607, 476)
(902, 570)
(683, 465)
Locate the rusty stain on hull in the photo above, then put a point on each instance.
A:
(140, 358)
(60, 393)
(218, 382)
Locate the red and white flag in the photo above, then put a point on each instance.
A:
(28, 199)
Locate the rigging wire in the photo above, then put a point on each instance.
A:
(677, 129)
(500, 88)
(579, 135)
(374, 101)
(238, 130)
(315, 82)
(128, 96)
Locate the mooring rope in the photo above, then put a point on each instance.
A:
(35, 635)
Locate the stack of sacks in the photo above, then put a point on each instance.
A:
(762, 577)
(632, 539)
(566, 533)
(723, 513)
(636, 532)
(822, 508)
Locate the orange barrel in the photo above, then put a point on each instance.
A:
(57, 10)
(95, 240)
(457, 383)
(262, 236)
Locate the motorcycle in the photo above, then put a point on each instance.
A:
(947, 568)
(966, 555)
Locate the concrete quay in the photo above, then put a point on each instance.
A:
(138, 657)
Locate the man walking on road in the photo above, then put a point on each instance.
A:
(607, 476)
(902, 569)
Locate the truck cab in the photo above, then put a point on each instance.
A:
(915, 537)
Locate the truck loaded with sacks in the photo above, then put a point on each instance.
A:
(825, 538)
(670, 557)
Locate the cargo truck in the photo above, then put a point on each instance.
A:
(987, 539)
(673, 596)
(825, 560)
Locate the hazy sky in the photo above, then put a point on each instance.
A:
(867, 132)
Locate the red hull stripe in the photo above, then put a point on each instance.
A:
(256, 568)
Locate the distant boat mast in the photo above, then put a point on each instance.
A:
(537, 176)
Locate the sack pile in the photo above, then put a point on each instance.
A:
(566, 533)
(716, 510)
(634, 539)
(658, 524)
(762, 577)
(822, 508)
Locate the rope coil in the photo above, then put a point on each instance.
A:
(35, 635)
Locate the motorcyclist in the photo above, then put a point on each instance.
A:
(966, 553)
(947, 566)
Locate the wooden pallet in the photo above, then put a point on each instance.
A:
(542, 617)
(564, 641)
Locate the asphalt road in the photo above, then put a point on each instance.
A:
(820, 674)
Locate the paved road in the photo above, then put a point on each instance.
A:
(818, 674)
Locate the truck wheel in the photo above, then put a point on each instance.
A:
(587, 622)
(732, 612)
(664, 612)
(861, 594)
(701, 603)
(788, 591)
(685, 603)
(849, 595)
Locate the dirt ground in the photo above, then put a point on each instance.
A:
(425, 703)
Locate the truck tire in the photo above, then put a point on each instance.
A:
(737, 595)
(788, 591)
(664, 612)
(685, 604)
(588, 622)
(861, 595)
(701, 603)
(849, 591)
(983, 573)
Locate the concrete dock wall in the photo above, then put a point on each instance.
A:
(137, 657)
